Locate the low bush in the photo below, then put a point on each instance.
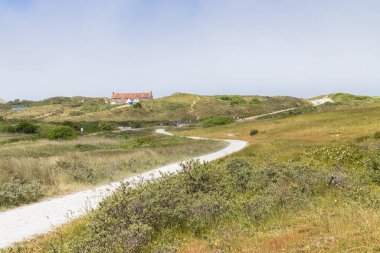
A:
(61, 133)
(193, 200)
(26, 128)
(254, 101)
(21, 127)
(14, 192)
(104, 126)
(377, 135)
(71, 124)
(233, 100)
(217, 121)
(137, 105)
(253, 132)
(7, 129)
(241, 171)
(295, 112)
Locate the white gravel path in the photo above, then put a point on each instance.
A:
(28, 221)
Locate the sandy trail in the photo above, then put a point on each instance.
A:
(25, 222)
(266, 114)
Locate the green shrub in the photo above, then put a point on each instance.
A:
(217, 121)
(105, 126)
(253, 132)
(21, 127)
(295, 112)
(254, 101)
(71, 124)
(241, 171)
(14, 192)
(137, 105)
(194, 200)
(2, 119)
(8, 129)
(26, 128)
(377, 135)
(61, 133)
(234, 100)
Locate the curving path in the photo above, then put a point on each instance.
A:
(28, 221)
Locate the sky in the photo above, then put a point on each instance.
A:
(300, 48)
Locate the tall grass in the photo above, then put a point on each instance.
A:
(58, 167)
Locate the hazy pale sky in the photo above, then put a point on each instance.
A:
(266, 47)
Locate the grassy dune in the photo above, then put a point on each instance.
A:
(306, 183)
(172, 108)
(344, 124)
(340, 220)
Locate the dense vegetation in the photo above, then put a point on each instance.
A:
(192, 201)
(32, 167)
(220, 203)
(309, 182)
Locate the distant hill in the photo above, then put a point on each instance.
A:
(343, 99)
(177, 107)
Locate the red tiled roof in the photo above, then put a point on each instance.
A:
(132, 96)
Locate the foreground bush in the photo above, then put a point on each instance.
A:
(193, 200)
(217, 121)
(15, 192)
